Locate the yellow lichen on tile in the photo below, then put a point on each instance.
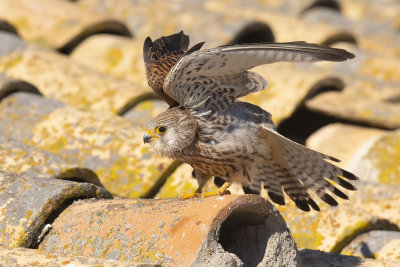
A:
(109, 145)
(57, 77)
(119, 56)
(20, 159)
(384, 155)
(50, 23)
(328, 230)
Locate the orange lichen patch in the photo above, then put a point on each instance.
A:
(169, 232)
(57, 77)
(125, 165)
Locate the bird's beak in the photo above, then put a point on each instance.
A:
(148, 137)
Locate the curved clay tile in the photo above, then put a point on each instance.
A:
(57, 24)
(216, 231)
(56, 76)
(107, 144)
(34, 257)
(372, 207)
(18, 157)
(10, 86)
(353, 108)
(28, 204)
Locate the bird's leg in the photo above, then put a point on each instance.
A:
(223, 190)
(201, 180)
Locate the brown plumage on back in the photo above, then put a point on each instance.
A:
(159, 58)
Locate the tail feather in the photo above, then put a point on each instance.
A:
(294, 189)
(297, 168)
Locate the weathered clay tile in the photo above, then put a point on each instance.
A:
(390, 250)
(140, 17)
(109, 145)
(10, 43)
(57, 77)
(373, 206)
(357, 108)
(55, 23)
(111, 54)
(144, 111)
(27, 204)
(377, 37)
(181, 182)
(17, 157)
(291, 85)
(343, 141)
(9, 86)
(315, 258)
(375, 244)
(33, 257)
(379, 161)
(216, 231)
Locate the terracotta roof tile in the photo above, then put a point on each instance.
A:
(65, 24)
(27, 202)
(171, 232)
(57, 77)
(109, 145)
(33, 257)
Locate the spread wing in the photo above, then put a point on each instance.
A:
(214, 78)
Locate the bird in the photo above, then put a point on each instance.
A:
(207, 127)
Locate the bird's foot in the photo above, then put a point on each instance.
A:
(205, 194)
(215, 193)
(190, 196)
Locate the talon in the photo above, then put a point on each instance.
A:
(215, 193)
(225, 192)
(190, 196)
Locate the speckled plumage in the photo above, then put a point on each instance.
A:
(217, 135)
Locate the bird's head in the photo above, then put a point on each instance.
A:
(171, 132)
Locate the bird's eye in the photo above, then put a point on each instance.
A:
(161, 130)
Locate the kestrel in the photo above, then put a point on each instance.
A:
(208, 128)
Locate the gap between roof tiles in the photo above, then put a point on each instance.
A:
(12, 86)
(374, 224)
(8, 27)
(253, 32)
(132, 103)
(302, 123)
(330, 4)
(109, 27)
(152, 192)
(80, 175)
